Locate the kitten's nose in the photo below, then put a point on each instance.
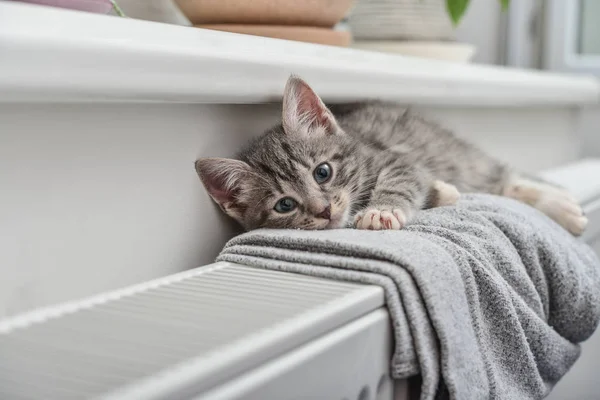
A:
(326, 213)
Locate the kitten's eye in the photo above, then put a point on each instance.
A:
(322, 173)
(285, 205)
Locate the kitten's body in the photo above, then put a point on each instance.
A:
(385, 164)
(391, 134)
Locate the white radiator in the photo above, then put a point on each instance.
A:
(217, 332)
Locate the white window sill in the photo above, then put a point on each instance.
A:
(57, 55)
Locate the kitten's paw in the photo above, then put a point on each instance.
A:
(565, 210)
(446, 194)
(380, 218)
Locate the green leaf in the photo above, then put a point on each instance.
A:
(456, 9)
(504, 4)
(117, 9)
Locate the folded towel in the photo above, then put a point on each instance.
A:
(488, 298)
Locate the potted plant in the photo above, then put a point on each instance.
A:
(414, 27)
(305, 20)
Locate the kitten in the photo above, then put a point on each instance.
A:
(369, 165)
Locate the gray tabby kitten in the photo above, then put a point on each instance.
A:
(369, 165)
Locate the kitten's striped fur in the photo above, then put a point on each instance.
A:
(387, 163)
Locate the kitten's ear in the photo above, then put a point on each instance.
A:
(222, 178)
(304, 111)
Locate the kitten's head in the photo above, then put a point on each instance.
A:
(299, 174)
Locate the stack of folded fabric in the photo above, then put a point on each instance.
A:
(419, 28)
(310, 21)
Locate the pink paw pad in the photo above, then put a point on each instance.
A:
(376, 219)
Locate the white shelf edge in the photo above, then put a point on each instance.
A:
(50, 54)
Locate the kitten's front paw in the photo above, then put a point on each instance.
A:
(380, 218)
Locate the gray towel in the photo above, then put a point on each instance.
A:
(488, 299)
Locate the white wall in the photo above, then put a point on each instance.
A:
(95, 197)
(590, 27)
(482, 27)
(590, 131)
